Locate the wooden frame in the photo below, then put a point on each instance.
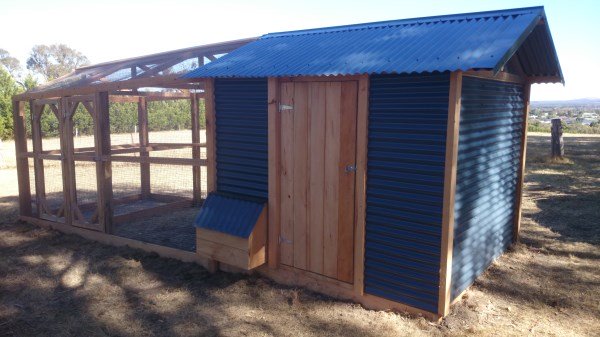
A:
(521, 172)
(449, 191)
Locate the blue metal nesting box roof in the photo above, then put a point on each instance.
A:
(229, 215)
(485, 40)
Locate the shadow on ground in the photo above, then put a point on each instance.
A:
(56, 284)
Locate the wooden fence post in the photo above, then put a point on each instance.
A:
(103, 163)
(143, 136)
(196, 169)
(20, 131)
(558, 147)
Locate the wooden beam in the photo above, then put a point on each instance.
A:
(158, 160)
(521, 172)
(196, 170)
(154, 211)
(19, 124)
(170, 81)
(360, 197)
(274, 143)
(144, 141)
(211, 135)
(184, 94)
(449, 192)
(113, 240)
(103, 168)
(489, 75)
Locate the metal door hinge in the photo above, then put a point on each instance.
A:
(283, 107)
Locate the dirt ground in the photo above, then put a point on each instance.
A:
(52, 284)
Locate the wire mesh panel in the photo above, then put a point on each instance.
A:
(124, 128)
(50, 199)
(126, 180)
(85, 187)
(172, 180)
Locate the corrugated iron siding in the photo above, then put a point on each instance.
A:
(241, 123)
(405, 175)
(491, 121)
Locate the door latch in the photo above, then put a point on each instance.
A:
(283, 107)
(350, 168)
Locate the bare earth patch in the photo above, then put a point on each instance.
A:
(52, 284)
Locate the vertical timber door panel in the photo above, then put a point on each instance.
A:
(345, 245)
(300, 154)
(318, 128)
(332, 173)
(316, 139)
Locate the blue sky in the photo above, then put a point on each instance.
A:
(114, 29)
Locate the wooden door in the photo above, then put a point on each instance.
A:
(318, 136)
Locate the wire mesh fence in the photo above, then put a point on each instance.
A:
(157, 186)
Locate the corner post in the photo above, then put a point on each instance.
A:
(274, 148)
(196, 169)
(360, 199)
(103, 163)
(211, 147)
(449, 192)
(143, 137)
(211, 135)
(20, 132)
(521, 172)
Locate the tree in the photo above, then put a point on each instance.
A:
(11, 64)
(8, 88)
(53, 61)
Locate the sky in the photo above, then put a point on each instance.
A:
(106, 30)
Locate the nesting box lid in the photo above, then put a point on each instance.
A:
(228, 214)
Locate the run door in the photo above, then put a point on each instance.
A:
(318, 135)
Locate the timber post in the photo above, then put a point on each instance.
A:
(558, 147)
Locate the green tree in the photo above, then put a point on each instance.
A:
(11, 64)
(53, 61)
(8, 88)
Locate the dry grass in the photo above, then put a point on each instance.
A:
(53, 284)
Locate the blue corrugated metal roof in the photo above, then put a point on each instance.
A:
(483, 40)
(229, 215)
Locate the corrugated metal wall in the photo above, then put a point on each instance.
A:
(241, 123)
(405, 175)
(491, 121)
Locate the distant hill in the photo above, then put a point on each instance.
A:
(589, 101)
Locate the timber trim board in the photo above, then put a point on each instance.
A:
(211, 135)
(274, 155)
(452, 133)
(521, 172)
(360, 197)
